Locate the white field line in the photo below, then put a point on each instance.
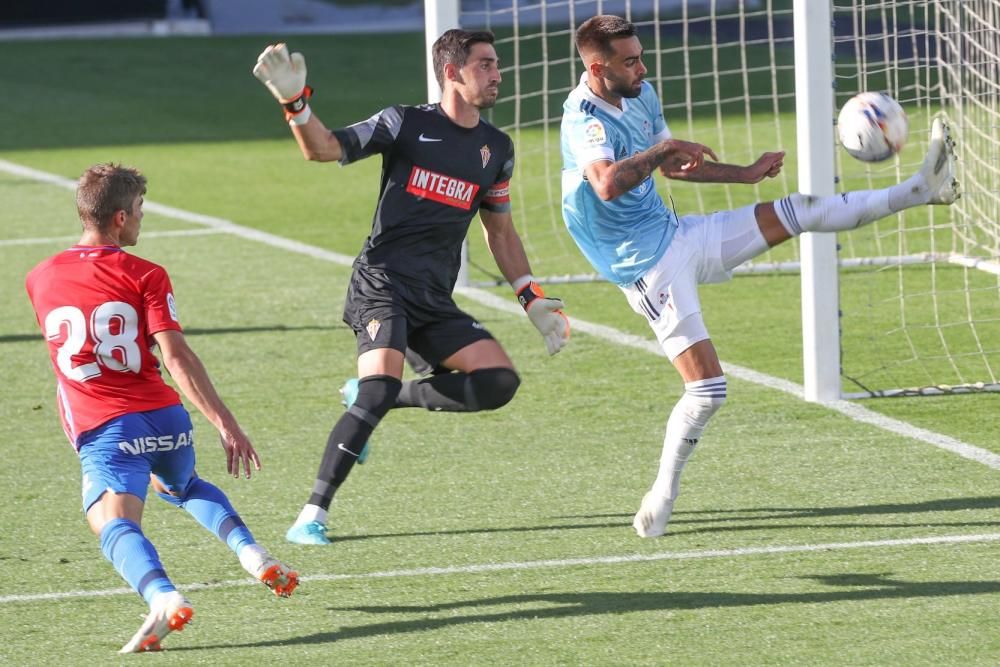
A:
(180, 214)
(851, 410)
(73, 239)
(542, 564)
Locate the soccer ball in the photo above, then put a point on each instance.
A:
(872, 127)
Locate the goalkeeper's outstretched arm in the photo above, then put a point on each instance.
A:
(316, 141)
(284, 74)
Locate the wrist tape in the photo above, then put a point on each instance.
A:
(299, 104)
(529, 293)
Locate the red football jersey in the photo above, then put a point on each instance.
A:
(98, 308)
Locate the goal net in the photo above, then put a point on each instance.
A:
(919, 291)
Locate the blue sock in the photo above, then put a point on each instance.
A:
(135, 558)
(210, 507)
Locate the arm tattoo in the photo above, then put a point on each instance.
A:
(633, 171)
(717, 172)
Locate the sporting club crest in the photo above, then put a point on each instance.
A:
(373, 326)
(484, 153)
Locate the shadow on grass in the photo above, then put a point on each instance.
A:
(748, 520)
(762, 513)
(544, 606)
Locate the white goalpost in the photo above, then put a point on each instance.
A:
(820, 296)
(908, 305)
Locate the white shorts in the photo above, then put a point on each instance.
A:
(705, 249)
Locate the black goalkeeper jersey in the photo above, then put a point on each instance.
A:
(435, 177)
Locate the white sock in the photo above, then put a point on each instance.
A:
(837, 213)
(311, 513)
(701, 399)
(676, 452)
(251, 556)
(911, 192)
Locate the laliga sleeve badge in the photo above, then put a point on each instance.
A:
(172, 306)
(594, 133)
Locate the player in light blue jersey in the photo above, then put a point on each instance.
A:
(622, 237)
(613, 138)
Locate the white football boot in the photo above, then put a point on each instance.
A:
(938, 170)
(169, 612)
(653, 515)
(268, 570)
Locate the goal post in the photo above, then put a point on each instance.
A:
(814, 127)
(439, 16)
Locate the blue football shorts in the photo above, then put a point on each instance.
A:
(120, 454)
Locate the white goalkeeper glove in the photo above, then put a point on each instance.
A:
(284, 74)
(545, 313)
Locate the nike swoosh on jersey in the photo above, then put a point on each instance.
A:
(423, 138)
(341, 447)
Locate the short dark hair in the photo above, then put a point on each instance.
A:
(105, 189)
(597, 33)
(454, 46)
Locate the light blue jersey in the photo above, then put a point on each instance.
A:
(626, 236)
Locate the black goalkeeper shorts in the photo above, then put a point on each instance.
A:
(384, 312)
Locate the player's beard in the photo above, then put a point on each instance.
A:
(484, 100)
(622, 89)
(488, 101)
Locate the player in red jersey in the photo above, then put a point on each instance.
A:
(102, 311)
(441, 165)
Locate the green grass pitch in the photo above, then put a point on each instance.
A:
(801, 536)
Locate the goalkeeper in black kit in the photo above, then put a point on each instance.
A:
(441, 164)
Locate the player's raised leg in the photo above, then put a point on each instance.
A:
(482, 377)
(934, 183)
(483, 389)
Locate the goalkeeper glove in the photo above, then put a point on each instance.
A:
(545, 313)
(284, 74)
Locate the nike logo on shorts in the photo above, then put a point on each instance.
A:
(423, 138)
(341, 447)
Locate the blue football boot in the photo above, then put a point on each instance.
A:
(308, 533)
